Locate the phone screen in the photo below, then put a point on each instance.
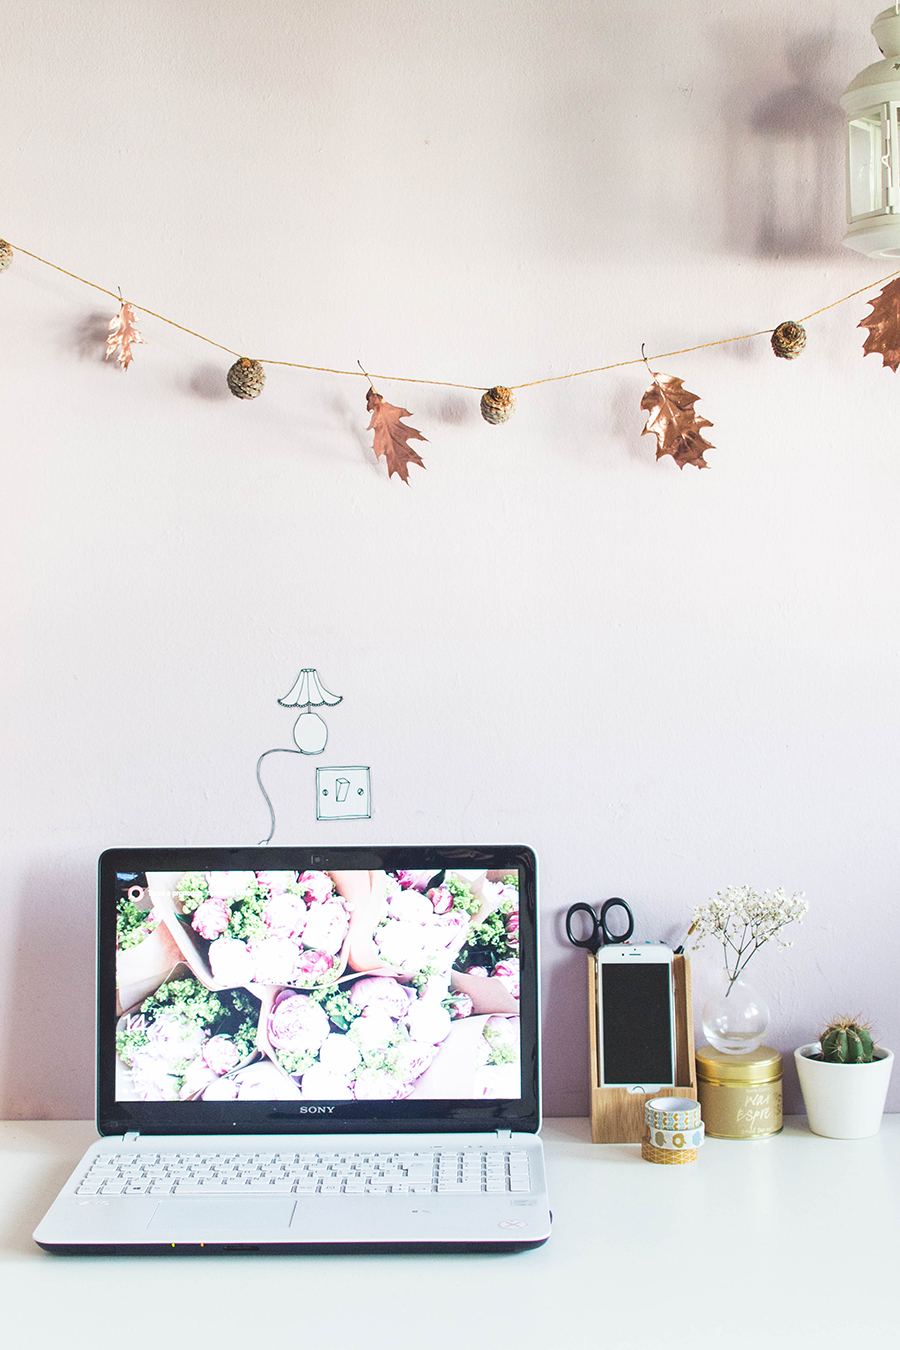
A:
(637, 1023)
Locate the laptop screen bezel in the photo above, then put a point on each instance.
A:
(348, 1117)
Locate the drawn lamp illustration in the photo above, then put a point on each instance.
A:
(310, 732)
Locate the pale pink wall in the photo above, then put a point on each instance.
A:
(665, 681)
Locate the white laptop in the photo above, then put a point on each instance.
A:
(313, 1050)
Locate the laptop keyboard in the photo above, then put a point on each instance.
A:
(432, 1171)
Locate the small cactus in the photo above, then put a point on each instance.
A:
(846, 1040)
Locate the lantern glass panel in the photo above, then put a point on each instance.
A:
(865, 179)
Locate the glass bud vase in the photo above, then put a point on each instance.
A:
(735, 1018)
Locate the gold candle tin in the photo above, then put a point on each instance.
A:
(740, 1095)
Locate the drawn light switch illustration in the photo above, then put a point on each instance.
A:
(343, 794)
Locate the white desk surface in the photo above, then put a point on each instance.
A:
(790, 1242)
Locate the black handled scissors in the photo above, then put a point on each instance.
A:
(599, 935)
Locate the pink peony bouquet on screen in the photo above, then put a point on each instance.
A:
(421, 933)
(498, 1072)
(491, 947)
(373, 1040)
(280, 928)
(184, 1037)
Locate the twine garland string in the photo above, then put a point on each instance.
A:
(449, 384)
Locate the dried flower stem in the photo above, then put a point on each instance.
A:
(743, 920)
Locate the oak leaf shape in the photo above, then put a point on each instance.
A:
(123, 332)
(884, 325)
(674, 423)
(392, 436)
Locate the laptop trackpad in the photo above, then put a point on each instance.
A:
(232, 1214)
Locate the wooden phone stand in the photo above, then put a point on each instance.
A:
(617, 1115)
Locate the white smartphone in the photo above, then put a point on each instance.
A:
(636, 1014)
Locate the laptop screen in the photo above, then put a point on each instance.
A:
(347, 989)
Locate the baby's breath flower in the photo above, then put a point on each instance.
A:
(743, 920)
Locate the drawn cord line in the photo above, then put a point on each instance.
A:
(276, 750)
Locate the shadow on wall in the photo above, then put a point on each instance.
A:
(88, 339)
(208, 382)
(783, 179)
(47, 1057)
(734, 146)
(564, 1034)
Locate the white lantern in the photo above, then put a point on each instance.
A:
(871, 104)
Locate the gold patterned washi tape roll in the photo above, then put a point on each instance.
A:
(671, 1146)
(676, 1140)
(672, 1113)
(673, 1130)
(667, 1156)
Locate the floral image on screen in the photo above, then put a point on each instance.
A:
(181, 1039)
(136, 918)
(325, 986)
(267, 927)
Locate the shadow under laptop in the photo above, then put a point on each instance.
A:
(47, 1057)
(39, 1156)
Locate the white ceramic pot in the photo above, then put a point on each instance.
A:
(843, 1101)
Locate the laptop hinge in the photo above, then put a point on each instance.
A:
(504, 1134)
(131, 1137)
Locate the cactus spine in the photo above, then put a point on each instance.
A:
(847, 1041)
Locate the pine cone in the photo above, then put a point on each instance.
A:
(246, 378)
(498, 404)
(6, 255)
(789, 339)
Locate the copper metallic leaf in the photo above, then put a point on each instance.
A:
(123, 332)
(884, 325)
(392, 436)
(674, 423)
